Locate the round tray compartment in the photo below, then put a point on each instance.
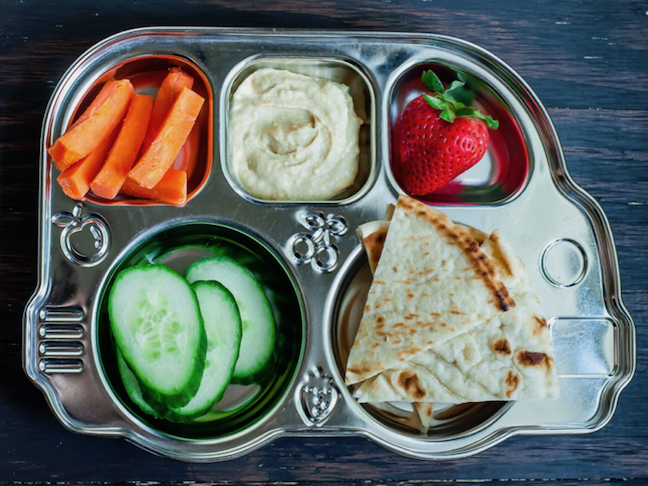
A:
(244, 406)
(448, 421)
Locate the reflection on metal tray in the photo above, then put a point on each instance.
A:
(309, 254)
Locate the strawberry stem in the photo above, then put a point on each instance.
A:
(451, 108)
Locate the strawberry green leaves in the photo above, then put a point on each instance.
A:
(450, 108)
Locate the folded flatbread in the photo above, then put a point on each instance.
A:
(432, 282)
(508, 357)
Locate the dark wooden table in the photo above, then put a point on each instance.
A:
(587, 61)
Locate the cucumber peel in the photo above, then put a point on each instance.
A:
(223, 328)
(257, 318)
(157, 325)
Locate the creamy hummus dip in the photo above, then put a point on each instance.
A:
(293, 137)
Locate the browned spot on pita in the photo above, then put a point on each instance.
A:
(501, 346)
(374, 243)
(379, 282)
(413, 331)
(375, 345)
(358, 371)
(528, 358)
(457, 312)
(408, 381)
(410, 296)
(399, 324)
(443, 324)
(430, 343)
(435, 314)
(411, 316)
(512, 381)
(367, 308)
(425, 272)
(540, 325)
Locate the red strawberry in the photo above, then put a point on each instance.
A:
(438, 138)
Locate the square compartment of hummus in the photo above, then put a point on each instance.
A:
(299, 130)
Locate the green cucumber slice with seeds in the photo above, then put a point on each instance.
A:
(223, 327)
(157, 325)
(257, 318)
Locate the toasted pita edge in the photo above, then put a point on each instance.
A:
(482, 266)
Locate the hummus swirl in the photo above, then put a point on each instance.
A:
(293, 137)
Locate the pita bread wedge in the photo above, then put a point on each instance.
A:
(372, 235)
(432, 282)
(509, 357)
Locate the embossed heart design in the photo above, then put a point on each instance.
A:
(318, 396)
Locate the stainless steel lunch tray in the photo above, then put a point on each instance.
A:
(558, 230)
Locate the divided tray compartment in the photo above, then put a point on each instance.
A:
(522, 188)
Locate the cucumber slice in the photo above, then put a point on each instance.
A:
(132, 386)
(223, 327)
(258, 341)
(157, 325)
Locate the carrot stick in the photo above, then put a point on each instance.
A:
(159, 157)
(187, 158)
(96, 123)
(124, 151)
(171, 189)
(167, 94)
(76, 179)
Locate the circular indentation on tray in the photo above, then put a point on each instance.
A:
(448, 421)
(563, 262)
(503, 171)
(341, 71)
(243, 405)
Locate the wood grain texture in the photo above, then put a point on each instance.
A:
(586, 60)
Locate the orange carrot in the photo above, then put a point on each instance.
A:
(187, 158)
(96, 123)
(124, 151)
(166, 96)
(76, 179)
(171, 189)
(159, 157)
